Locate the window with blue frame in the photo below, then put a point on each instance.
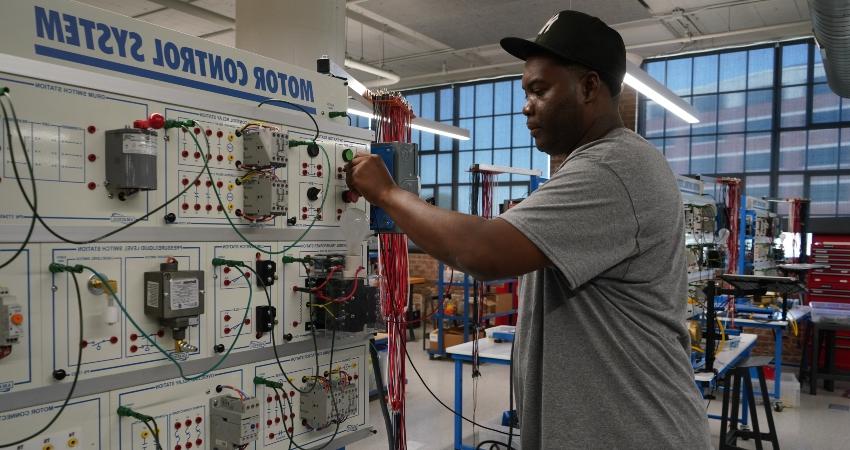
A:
(492, 111)
(766, 115)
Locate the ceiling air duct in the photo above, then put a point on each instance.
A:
(831, 24)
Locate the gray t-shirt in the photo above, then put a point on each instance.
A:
(602, 351)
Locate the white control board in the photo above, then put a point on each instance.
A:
(119, 131)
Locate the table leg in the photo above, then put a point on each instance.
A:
(745, 399)
(458, 404)
(777, 364)
(813, 367)
(829, 384)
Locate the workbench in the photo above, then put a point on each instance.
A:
(798, 314)
(489, 351)
(725, 361)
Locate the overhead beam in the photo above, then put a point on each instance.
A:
(197, 11)
(392, 28)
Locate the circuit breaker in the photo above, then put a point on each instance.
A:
(175, 298)
(264, 196)
(318, 410)
(11, 322)
(130, 161)
(264, 148)
(234, 422)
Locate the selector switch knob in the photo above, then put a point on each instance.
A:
(312, 150)
(313, 194)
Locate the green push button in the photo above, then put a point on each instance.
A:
(348, 155)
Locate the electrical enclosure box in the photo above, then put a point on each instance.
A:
(234, 422)
(354, 315)
(264, 196)
(130, 161)
(317, 405)
(264, 148)
(402, 161)
(11, 319)
(172, 294)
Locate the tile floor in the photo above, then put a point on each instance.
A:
(820, 422)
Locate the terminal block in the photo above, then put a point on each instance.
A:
(234, 422)
(317, 406)
(264, 148)
(175, 298)
(130, 161)
(264, 196)
(11, 322)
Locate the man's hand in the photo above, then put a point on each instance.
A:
(367, 175)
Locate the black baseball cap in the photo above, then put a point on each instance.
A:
(576, 37)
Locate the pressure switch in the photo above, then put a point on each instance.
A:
(175, 298)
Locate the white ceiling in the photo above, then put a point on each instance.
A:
(438, 41)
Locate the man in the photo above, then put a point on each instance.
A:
(602, 351)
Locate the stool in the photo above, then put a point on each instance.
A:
(825, 331)
(729, 431)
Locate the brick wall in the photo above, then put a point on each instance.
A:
(792, 346)
(628, 111)
(423, 265)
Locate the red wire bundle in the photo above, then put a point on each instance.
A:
(394, 292)
(796, 227)
(393, 116)
(733, 206)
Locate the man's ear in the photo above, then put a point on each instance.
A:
(591, 86)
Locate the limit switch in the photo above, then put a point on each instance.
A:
(234, 422)
(175, 298)
(130, 161)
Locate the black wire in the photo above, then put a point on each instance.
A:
(33, 204)
(382, 399)
(76, 374)
(20, 185)
(154, 432)
(274, 343)
(273, 100)
(333, 402)
(410, 360)
(493, 445)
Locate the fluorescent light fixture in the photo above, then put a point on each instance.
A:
(657, 92)
(357, 112)
(428, 126)
(357, 86)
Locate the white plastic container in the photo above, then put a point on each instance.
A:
(831, 312)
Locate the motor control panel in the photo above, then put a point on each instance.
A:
(159, 282)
